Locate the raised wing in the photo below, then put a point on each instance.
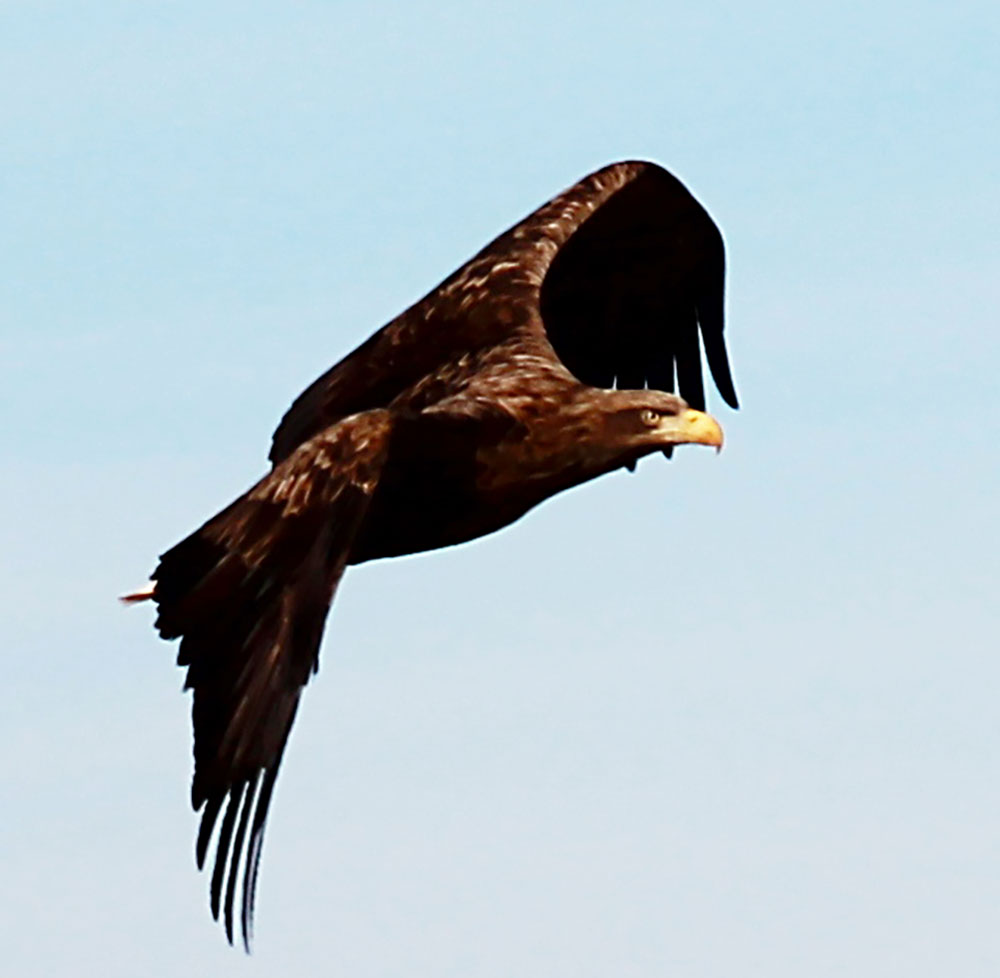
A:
(624, 299)
(248, 594)
(618, 273)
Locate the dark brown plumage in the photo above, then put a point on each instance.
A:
(489, 395)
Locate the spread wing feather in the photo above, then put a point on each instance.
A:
(248, 595)
(634, 285)
(616, 277)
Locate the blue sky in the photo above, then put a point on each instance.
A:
(729, 715)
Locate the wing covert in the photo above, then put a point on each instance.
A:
(622, 272)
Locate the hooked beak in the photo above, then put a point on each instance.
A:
(691, 427)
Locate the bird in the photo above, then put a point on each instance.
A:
(568, 347)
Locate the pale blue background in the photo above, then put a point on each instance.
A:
(729, 716)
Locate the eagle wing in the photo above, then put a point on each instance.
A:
(248, 594)
(635, 289)
(615, 277)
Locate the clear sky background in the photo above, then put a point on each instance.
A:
(728, 716)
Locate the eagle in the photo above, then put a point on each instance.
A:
(568, 347)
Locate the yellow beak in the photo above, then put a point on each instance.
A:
(695, 428)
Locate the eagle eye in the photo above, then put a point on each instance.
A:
(649, 417)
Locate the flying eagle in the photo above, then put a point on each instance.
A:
(548, 359)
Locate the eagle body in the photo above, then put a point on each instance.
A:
(477, 460)
(550, 358)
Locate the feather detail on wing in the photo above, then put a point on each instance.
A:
(248, 595)
(616, 277)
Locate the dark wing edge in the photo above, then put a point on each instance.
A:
(637, 288)
(248, 595)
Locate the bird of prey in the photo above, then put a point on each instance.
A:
(548, 359)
